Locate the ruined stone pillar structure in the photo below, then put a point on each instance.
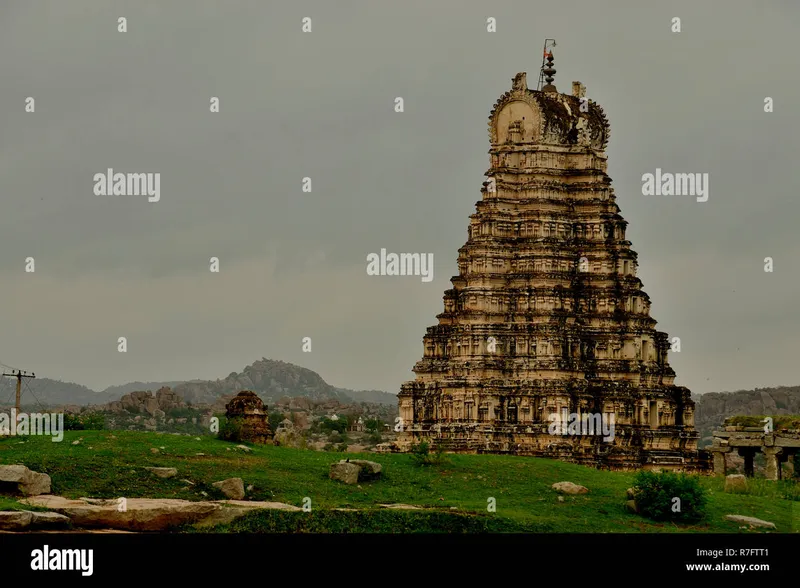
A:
(778, 446)
(720, 463)
(773, 469)
(748, 454)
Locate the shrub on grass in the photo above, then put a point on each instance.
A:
(422, 456)
(275, 419)
(656, 495)
(93, 421)
(230, 430)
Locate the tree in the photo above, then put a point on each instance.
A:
(373, 425)
(275, 419)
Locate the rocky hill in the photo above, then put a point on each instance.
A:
(713, 408)
(115, 392)
(273, 380)
(48, 392)
(373, 396)
(270, 379)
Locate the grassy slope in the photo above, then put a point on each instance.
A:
(107, 464)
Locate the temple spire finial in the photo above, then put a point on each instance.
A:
(547, 72)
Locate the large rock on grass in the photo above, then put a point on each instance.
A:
(49, 519)
(17, 479)
(137, 514)
(233, 509)
(735, 483)
(353, 471)
(370, 470)
(20, 520)
(141, 514)
(750, 521)
(569, 488)
(233, 488)
(345, 472)
(15, 520)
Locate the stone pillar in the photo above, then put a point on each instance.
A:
(773, 470)
(748, 455)
(720, 465)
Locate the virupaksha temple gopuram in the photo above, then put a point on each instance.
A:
(546, 317)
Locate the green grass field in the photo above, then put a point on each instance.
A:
(108, 464)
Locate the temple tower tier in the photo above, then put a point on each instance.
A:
(546, 346)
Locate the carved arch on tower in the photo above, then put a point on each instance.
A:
(563, 114)
(516, 105)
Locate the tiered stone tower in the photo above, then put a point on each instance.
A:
(547, 318)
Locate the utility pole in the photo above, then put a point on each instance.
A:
(19, 375)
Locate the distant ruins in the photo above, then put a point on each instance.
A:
(776, 446)
(546, 323)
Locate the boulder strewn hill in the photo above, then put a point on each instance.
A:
(273, 379)
(270, 379)
(50, 392)
(373, 396)
(117, 392)
(713, 408)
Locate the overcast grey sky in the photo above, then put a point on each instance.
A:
(321, 105)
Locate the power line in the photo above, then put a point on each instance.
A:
(34, 395)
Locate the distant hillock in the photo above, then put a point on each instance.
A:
(374, 396)
(270, 379)
(117, 392)
(46, 391)
(714, 407)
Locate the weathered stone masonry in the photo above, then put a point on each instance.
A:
(547, 315)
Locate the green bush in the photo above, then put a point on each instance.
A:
(656, 494)
(275, 419)
(92, 421)
(340, 425)
(181, 413)
(422, 456)
(230, 430)
(373, 426)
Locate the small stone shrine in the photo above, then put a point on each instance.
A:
(250, 413)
